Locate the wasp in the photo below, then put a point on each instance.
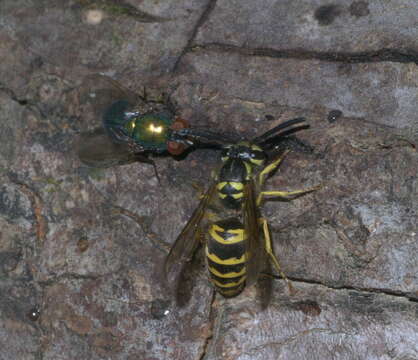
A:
(227, 220)
(133, 126)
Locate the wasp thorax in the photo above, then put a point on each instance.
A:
(245, 151)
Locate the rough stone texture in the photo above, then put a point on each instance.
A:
(385, 93)
(86, 35)
(344, 26)
(331, 324)
(81, 249)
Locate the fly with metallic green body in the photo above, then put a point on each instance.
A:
(130, 127)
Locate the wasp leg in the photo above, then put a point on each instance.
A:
(200, 235)
(200, 190)
(273, 257)
(269, 168)
(285, 195)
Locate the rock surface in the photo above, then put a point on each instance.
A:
(81, 249)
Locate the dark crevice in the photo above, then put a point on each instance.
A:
(382, 55)
(12, 95)
(210, 336)
(394, 293)
(154, 239)
(21, 101)
(205, 15)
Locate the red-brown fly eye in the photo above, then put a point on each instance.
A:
(179, 123)
(173, 147)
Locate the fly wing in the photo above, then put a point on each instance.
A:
(254, 248)
(96, 149)
(187, 242)
(100, 92)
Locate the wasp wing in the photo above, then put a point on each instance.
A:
(265, 285)
(254, 248)
(188, 240)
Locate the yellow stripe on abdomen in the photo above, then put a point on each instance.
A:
(231, 293)
(226, 275)
(229, 284)
(230, 261)
(235, 235)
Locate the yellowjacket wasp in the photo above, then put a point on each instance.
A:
(236, 238)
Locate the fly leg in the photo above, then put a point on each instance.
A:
(273, 257)
(145, 159)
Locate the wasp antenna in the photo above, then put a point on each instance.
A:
(273, 131)
(273, 141)
(202, 137)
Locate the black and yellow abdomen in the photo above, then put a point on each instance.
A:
(225, 254)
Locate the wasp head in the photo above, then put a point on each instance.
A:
(250, 153)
